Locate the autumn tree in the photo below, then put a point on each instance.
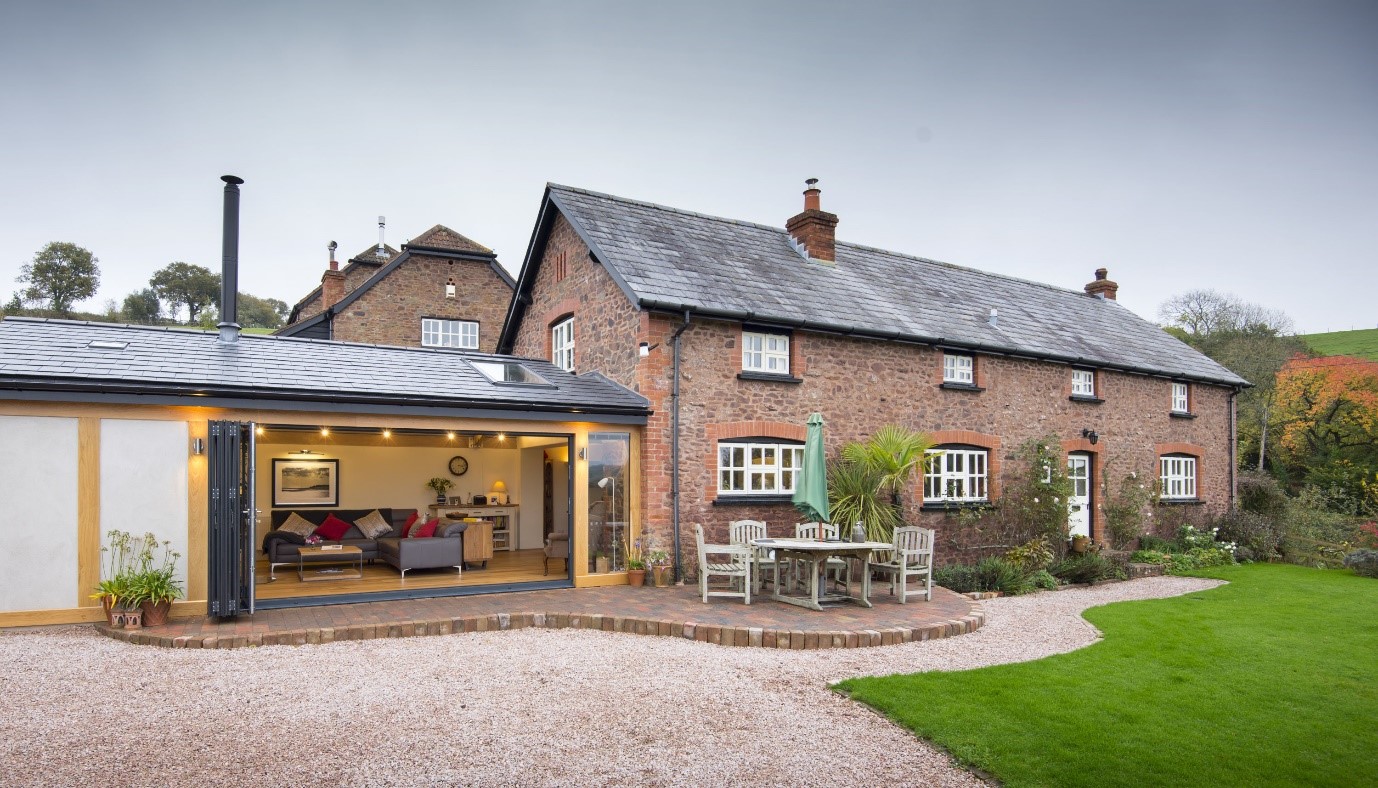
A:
(60, 275)
(186, 285)
(1329, 409)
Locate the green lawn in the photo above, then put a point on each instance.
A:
(1270, 680)
(1362, 343)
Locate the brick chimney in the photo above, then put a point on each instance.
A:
(814, 229)
(1102, 287)
(332, 281)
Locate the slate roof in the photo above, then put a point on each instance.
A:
(55, 355)
(671, 260)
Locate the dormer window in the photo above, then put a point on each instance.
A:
(765, 353)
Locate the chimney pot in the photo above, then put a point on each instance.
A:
(1102, 287)
(814, 229)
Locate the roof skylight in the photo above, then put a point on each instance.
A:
(509, 372)
(105, 344)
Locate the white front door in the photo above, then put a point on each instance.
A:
(1079, 505)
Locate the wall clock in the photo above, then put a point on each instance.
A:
(458, 466)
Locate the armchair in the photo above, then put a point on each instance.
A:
(556, 546)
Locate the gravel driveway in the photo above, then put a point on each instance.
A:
(522, 707)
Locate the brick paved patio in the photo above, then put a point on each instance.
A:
(666, 612)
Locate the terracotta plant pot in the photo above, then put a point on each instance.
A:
(662, 575)
(155, 613)
(637, 577)
(1080, 544)
(131, 616)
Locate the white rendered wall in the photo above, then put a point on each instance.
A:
(38, 504)
(143, 474)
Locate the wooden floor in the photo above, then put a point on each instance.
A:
(515, 566)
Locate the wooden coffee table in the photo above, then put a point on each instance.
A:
(346, 554)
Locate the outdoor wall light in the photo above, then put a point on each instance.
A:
(1090, 435)
(646, 348)
(198, 446)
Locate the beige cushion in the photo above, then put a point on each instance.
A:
(373, 525)
(296, 524)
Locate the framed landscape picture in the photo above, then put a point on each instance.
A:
(306, 482)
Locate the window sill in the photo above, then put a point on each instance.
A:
(1181, 502)
(953, 506)
(768, 377)
(1179, 414)
(1085, 399)
(752, 500)
(950, 386)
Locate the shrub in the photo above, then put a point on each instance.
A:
(1260, 493)
(1149, 557)
(1368, 535)
(1043, 579)
(1125, 508)
(1259, 535)
(991, 574)
(1315, 535)
(1031, 556)
(961, 578)
(997, 574)
(1085, 568)
(1153, 543)
(1363, 562)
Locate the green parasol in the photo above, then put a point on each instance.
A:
(811, 488)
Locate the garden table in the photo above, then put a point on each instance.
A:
(815, 553)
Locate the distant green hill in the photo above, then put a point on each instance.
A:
(1362, 343)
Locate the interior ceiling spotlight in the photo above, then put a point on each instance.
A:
(387, 433)
(325, 430)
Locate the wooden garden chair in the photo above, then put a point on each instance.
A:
(743, 532)
(839, 568)
(731, 561)
(912, 556)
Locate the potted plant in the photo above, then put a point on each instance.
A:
(114, 588)
(152, 587)
(440, 484)
(600, 563)
(1080, 543)
(636, 564)
(662, 572)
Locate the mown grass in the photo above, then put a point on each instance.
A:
(1270, 680)
(1362, 343)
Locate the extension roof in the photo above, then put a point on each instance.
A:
(55, 359)
(439, 241)
(669, 260)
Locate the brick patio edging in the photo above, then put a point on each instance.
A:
(704, 633)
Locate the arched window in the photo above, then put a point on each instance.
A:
(1178, 476)
(957, 474)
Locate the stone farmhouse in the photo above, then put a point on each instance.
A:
(441, 290)
(736, 332)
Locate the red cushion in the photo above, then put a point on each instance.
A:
(423, 531)
(333, 528)
(410, 521)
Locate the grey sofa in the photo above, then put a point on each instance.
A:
(445, 550)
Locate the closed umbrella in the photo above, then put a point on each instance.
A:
(811, 486)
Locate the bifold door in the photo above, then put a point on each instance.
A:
(230, 470)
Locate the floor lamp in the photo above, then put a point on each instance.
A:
(612, 512)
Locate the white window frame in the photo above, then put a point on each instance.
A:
(440, 332)
(959, 368)
(1178, 476)
(957, 475)
(1181, 398)
(765, 352)
(1083, 383)
(562, 344)
(759, 468)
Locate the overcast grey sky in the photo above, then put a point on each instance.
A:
(1226, 145)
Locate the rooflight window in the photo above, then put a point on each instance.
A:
(105, 344)
(509, 372)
